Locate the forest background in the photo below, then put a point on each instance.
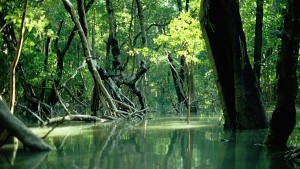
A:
(161, 56)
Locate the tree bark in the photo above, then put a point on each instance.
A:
(193, 103)
(178, 84)
(52, 98)
(142, 24)
(225, 40)
(14, 64)
(258, 39)
(284, 116)
(47, 49)
(82, 18)
(16, 128)
(87, 53)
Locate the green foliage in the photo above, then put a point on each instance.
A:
(182, 38)
(272, 26)
(168, 31)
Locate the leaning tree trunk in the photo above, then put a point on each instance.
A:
(60, 54)
(225, 40)
(16, 128)
(107, 98)
(284, 116)
(4, 133)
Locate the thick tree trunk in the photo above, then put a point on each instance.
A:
(284, 116)
(258, 39)
(225, 40)
(16, 128)
(219, 54)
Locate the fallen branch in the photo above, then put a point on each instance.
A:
(77, 117)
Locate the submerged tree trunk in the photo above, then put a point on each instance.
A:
(225, 40)
(284, 116)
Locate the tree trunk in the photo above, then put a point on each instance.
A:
(225, 40)
(284, 116)
(179, 5)
(258, 39)
(178, 84)
(60, 53)
(142, 25)
(87, 53)
(14, 64)
(187, 4)
(193, 103)
(47, 49)
(16, 128)
(8, 35)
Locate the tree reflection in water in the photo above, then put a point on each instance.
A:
(157, 144)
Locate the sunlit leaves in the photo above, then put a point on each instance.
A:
(182, 38)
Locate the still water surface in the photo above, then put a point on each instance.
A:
(155, 144)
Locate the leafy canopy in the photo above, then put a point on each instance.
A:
(183, 37)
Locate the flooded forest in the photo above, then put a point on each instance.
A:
(154, 84)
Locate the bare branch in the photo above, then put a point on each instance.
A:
(34, 114)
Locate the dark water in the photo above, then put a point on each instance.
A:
(156, 144)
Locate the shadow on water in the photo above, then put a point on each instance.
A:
(159, 144)
(26, 160)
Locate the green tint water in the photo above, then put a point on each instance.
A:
(155, 144)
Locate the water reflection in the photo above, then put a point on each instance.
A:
(26, 160)
(157, 144)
